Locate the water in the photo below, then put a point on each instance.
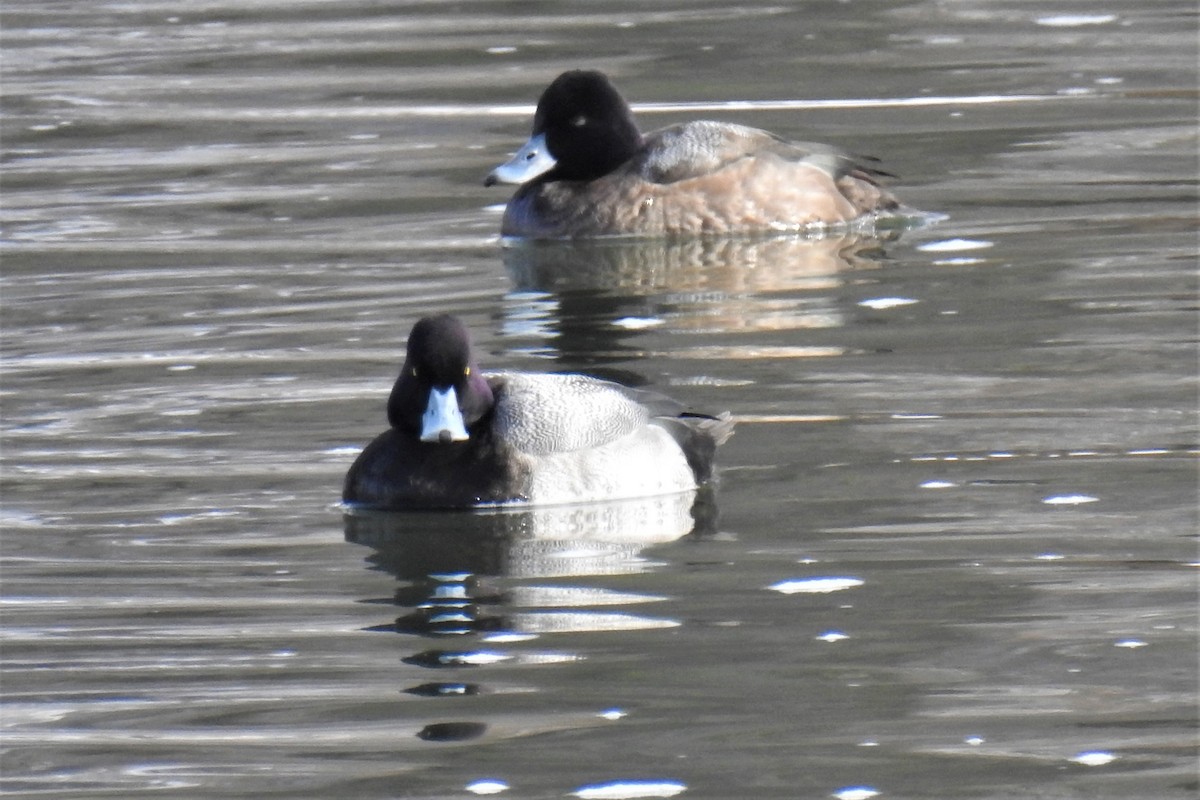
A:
(952, 552)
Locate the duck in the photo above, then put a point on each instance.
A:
(462, 438)
(588, 171)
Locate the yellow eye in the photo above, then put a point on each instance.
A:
(466, 371)
(413, 371)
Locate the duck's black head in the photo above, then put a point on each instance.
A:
(440, 393)
(582, 129)
(589, 128)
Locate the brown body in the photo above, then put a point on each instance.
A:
(750, 192)
(587, 172)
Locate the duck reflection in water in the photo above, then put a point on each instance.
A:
(590, 301)
(462, 572)
(469, 579)
(727, 264)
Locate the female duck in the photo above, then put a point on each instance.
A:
(587, 171)
(461, 438)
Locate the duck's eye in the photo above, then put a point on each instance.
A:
(466, 371)
(579, 121)
(413, 371)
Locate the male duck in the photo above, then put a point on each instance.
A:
(587, 171)
(461, 438)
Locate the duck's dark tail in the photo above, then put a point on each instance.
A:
(699, 435)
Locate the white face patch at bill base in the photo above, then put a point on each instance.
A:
(442, 421)
(531, 160)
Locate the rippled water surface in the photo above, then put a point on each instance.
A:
(952, 553)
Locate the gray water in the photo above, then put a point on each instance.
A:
(952, 552)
